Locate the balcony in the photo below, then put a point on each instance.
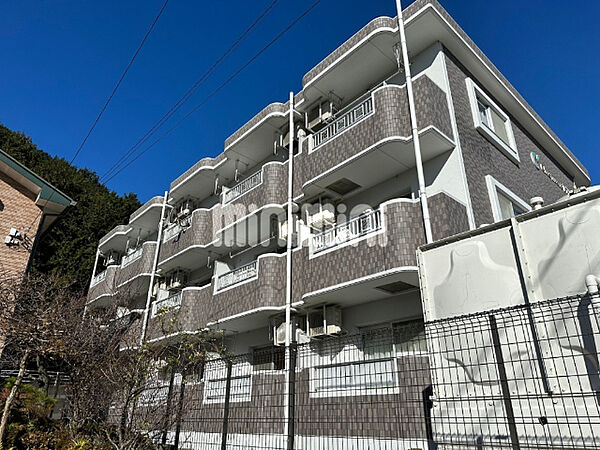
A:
(131, 257)
(242, 187)
(171, 302)
(383, 240)
(199, 180)
(345, 121)
(133, 276)
(238, 275)
(188, 311)
(356, 228)
(245, 297)
(102, 286)
(371, 139)
(248, 206)
(188, 242)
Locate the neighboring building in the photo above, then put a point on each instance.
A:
(29, 205)
(357, 215)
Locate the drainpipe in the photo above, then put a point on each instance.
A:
(95, 265)
(288, 275)
(93, 276)
(414, 127)
(154, 265)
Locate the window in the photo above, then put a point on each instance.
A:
(491, 121)
(505, 203)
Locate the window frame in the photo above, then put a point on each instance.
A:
(494, 186)
(476, 97)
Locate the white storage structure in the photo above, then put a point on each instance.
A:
(512, 331)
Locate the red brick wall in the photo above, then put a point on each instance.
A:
(17, 210)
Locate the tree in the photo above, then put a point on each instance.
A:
(36, 316)
(141, 386)
(68, 250)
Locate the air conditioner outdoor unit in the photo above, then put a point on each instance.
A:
(177, 279)
(322, 219)
(112, 258)
(278, 331)
(321, 114)
(325, 321)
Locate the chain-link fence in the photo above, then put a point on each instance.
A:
(526, 377)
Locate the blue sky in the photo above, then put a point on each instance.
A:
(62, 58)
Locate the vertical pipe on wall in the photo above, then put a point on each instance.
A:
(154, 265)
(414, 126)
(288, 275)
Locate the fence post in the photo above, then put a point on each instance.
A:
(168, 408)
(510, 414)
(179, 410)
(226, 407)
(293, 354)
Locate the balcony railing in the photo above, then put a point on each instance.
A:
(172, 301)
(348, 119)
(357, 227)
(98, 278)
(131, 257)
(242, 187)
(237, 275)
(173, 229)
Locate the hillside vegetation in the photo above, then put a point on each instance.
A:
(69, 248)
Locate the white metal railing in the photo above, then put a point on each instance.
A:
(353, 116)
(98, 278)
(242, 187)
(171, 231)
(237, 275)
(359, 226)
(172, 301)
(131, 257)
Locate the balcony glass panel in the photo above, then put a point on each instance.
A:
(357, 227)
(237, 275)
(346, 120)
(242, 187)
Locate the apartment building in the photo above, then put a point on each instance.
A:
(28, 207)
(306, 225)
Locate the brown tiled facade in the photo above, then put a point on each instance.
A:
(17, 210)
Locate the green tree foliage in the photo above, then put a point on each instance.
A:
(69, 248)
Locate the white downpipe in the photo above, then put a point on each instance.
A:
(414, 126)
(592, 282)
(95, 265)
(93, 276)
(288, 269)
(154, 265)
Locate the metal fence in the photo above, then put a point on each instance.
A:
(526, 377)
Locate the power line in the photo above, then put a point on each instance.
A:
(112, 94)
(219, 88)
(187, 95)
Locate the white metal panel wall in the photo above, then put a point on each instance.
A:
(561, 248)
(475, 274)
